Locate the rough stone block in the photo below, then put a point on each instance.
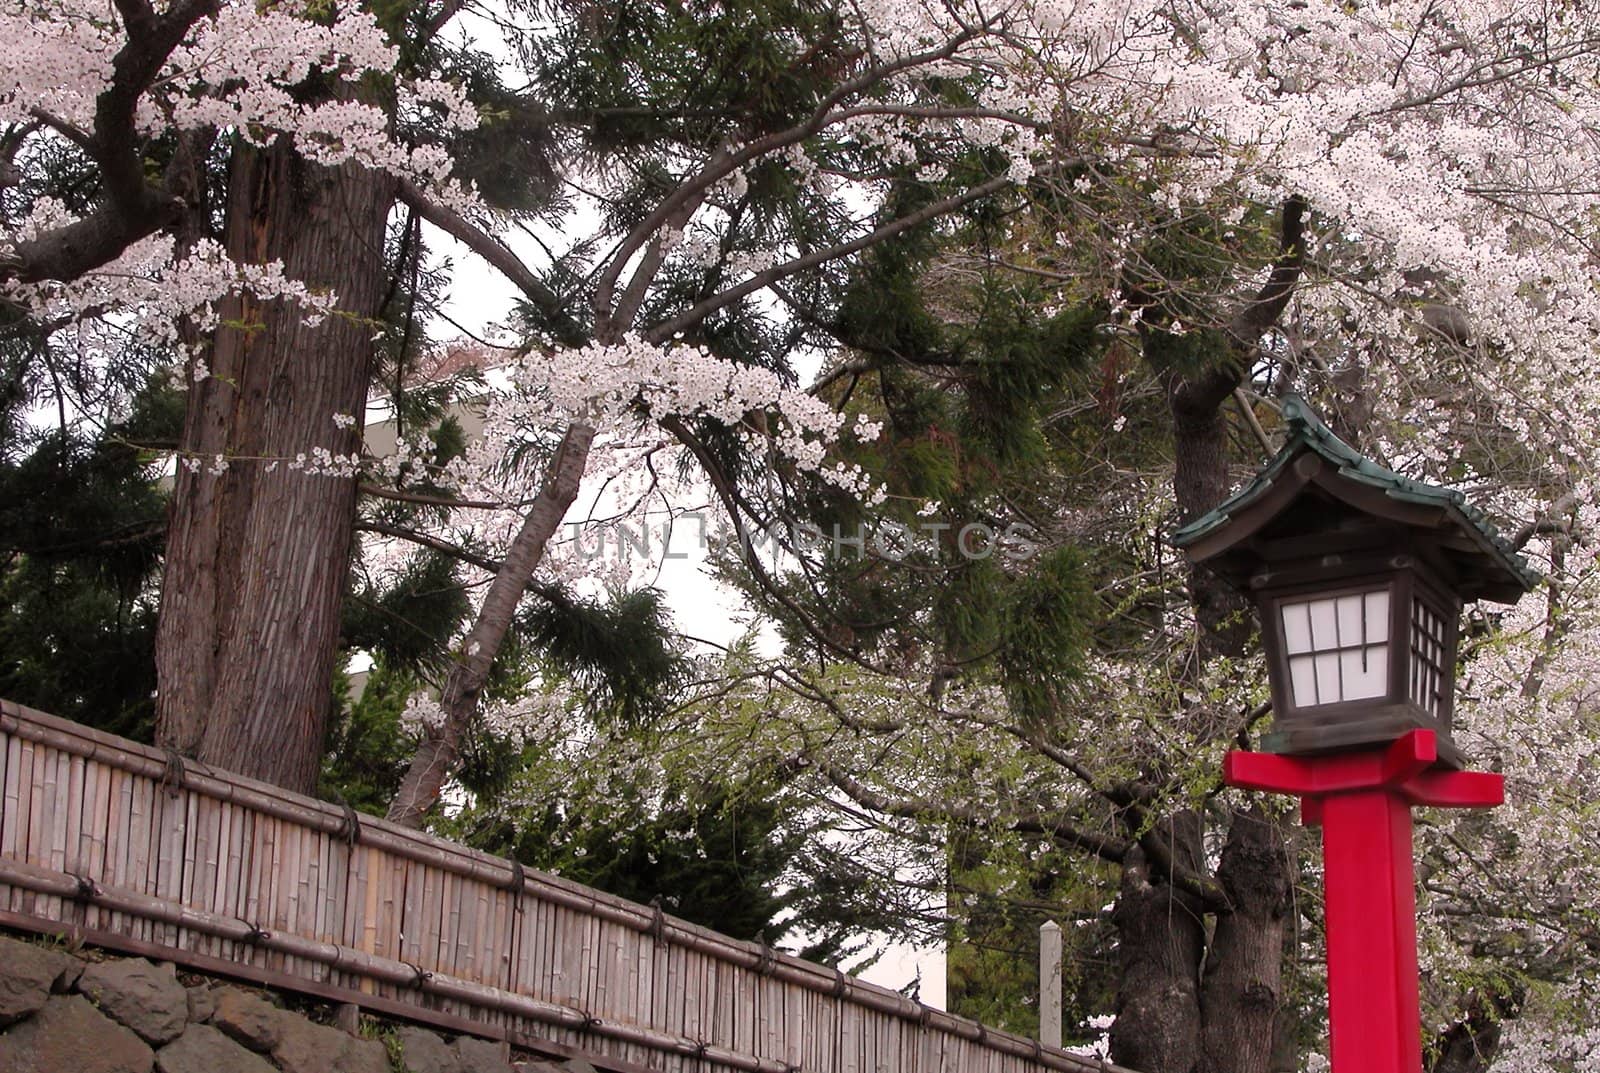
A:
(145, 997)
(72, 967)
(362, 1056)
(202, 1004)
(306, 1047)
(424, 1052)
(202, 1049)
(30, 973)
(69, 1034)
(483, 1055)
(249, 1019)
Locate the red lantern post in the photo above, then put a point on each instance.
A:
(1359, 575)
(1363, 803)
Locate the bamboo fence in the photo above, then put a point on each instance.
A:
(128, 847)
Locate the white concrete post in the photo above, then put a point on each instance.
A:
(1050, 983)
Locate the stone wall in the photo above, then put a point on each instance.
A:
(86, 1012)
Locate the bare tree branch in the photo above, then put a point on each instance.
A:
(913, 808)
(456, 551)
(699, 312)
(435, 501)
(726, 493)
(481, 243)
(724, 162)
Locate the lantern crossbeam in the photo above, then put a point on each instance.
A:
(1406, 767)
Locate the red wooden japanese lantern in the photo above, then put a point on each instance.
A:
(1359, 575)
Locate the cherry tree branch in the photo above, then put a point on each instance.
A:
(133, 208)
(724, 162)
(917, 808)
(1199, 396)
(1490, 70)
(495, 252)
(730, 503)
(413, 536)
(62, 127)
(436, 756)
(650, 262)
(1263, 311)
(777, 273)
(447, 11)
(1555, 520)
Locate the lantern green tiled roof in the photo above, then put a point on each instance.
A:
(1307, 434)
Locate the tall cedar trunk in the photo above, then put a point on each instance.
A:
(1160, 943)
(257, 556)
(436, 756)
(1243, 983)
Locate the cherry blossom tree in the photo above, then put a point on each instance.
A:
(318, 154)
(1385, 203)
(1333, 198)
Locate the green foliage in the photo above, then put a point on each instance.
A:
(1046, 626)
(963, 376)
(885, 312)
(718, 854)
(631, 76)
(81, 524)
(712, 859)
(1189, 353)
(1021, 359)
(509, 158)
(74, 646)
(368, 746)
(409, 623)
(992, 972)
(619, 653)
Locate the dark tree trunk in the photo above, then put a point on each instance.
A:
(1470, 1045)
(1201, 479)
(1181, 1007)
(1243, 983)
(257, 556)
(1160, 943)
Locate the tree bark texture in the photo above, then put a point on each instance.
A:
(1243, 983)
(1186, 1004)
(1472, 1042)
(436, 756)
(1201, 480)
(258, 554)
(1160, 943)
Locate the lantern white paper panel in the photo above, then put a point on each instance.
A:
(1337, 647)
(1427, 658)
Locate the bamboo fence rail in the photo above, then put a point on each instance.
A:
(128, 847)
